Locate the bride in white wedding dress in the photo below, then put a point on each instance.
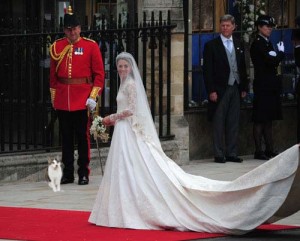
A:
(144, 189)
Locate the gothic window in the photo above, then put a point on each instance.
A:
(106, 9)
(202, 17)
(279, 10)
(112, 10)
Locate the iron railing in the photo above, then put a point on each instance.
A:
(28, 121)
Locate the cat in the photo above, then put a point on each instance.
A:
(54, 174)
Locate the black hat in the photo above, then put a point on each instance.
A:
(265, 20)
(70, 19)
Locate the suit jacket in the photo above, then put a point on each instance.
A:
(266, 78)
(295, 36)
(297, 56)
(297, 62)
(216, 69)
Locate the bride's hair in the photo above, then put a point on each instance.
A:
(142, 113)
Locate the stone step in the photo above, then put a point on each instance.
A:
(32, 167)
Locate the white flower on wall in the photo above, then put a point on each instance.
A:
(250, 10)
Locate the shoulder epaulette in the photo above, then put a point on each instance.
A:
(59, 39)
(59, 56)
(88, 39)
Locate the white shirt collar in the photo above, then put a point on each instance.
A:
(264, 37)
(224, 39)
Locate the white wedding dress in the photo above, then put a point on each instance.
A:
(144, 189)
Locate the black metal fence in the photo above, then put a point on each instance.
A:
(28, 122)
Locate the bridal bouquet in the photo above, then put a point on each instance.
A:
(98, 130)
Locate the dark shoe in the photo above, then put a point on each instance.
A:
(260, 156)
(270, 154)
(233, 159)
(65, 180)
(220, 160)
(83, 181)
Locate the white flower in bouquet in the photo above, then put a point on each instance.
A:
(262, 12)
(246, 37)
(98, 129)
(251, 8)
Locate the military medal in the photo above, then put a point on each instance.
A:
(78, 51)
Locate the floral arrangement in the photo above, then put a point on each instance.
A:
(98, 129)
(250, 10)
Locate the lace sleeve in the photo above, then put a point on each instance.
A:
(130, 91)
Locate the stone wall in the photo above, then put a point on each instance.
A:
(200, 147)
(177, 78)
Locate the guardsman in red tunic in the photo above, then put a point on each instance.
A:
(76, 79)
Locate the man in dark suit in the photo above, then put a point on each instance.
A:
(226, 81)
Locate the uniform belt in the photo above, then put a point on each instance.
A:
(87, 80)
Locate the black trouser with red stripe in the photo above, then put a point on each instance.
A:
(75, 124)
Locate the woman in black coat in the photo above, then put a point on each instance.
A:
(266, 87)
(296, 41)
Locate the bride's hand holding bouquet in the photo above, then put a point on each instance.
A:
(107, 122)
(98, 129)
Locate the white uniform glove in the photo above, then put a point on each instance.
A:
(280, 46)
(91, 104)
(272, 53)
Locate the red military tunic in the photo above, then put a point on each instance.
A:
(70, 66)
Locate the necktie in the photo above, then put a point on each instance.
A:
(229, 45)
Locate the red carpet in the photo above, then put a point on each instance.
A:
(61, 225)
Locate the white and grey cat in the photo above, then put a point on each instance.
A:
(54, 174)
